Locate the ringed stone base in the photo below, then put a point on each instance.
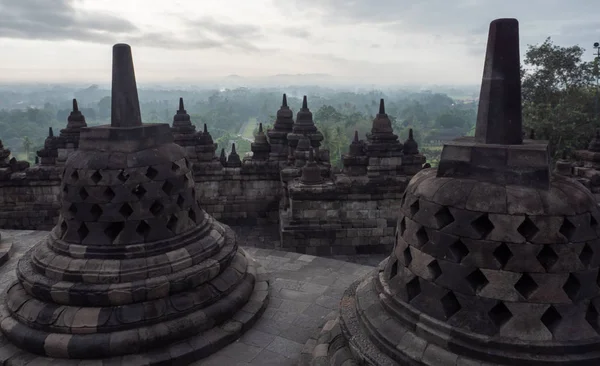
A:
(369, 320)
(183, 352)
(5, 250)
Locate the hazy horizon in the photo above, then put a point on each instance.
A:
(363, 42)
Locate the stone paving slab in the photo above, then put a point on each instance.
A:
(305, 292)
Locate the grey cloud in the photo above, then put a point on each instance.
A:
(468, 19)
(297, 32)
(55, 20)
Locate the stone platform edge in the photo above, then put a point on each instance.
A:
(181, 353)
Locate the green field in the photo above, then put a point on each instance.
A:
(249, 130)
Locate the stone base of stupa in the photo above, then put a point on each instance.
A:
(207, 339)
(5, 249)
(369, 320)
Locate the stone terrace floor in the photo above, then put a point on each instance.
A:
(305, 292)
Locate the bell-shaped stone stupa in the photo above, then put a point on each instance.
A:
(135, 272)
(496, 261)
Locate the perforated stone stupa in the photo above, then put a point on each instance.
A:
(135, 272)
(496, 261)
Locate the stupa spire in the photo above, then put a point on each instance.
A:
(284, 101)
(125, 103)
(181, 107)
(499, 118)
(304, 103)
(381, 106)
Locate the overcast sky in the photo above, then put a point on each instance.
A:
(369, 41)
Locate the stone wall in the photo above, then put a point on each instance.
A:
(29, 198)
(248, 195)
(351, 215)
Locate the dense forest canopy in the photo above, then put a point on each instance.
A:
(558, 102)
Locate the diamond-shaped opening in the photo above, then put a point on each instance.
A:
(407, 256)
(75, 176)
(443, 217)
(414, 208)
(96, 212)
(483, 226)
(499, 314)
(192, 215)
(526, 286)
(394, 269)
(180, 201)
(139, 191)
(123, 177)
(151, 172)
(572, 287)
(402, 226)
(477, 280)
(156, 208)
(96, 177)
(593, 222)
(422, 236)
(175, 167)
(167, 187)
(83, 231)
(547, 257)
(413, 288)
(143, 229)
(567, 229)
(63, 228)
(502, 254)
(551, 318)
(458, 251)
(126, 210)
(73, 209)
(113, 230)
(450, 304)
(586, 255)
(108, 194)
(434, 269)
(591, 316)
(528, 229)
(172, 223)
(83, 194)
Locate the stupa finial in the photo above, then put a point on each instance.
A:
(499, 118)
(381, 106)
(125, 103)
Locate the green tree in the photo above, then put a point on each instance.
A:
(27, 146)
(558, 95)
